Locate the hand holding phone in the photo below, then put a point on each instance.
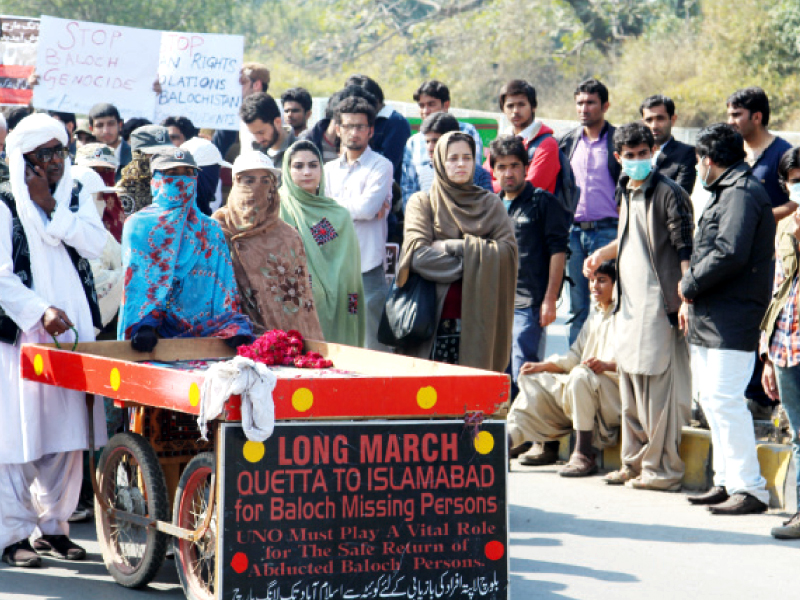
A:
(38, 187)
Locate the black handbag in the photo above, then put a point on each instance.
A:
(409, 314)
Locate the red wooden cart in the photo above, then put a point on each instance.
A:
(132, 494)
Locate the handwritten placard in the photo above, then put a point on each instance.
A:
(19, 37)
(199, 76)
(413, 510)
(80, 64)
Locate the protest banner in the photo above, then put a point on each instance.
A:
(80, 64)
(19, 37)
(402, 509)
(199, 76)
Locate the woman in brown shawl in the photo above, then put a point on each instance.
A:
(460, 236)
(268, 256)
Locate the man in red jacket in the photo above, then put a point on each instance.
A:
(518, 102)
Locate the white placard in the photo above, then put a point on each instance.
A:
(80, 64)
(19, 37)
(199, 76)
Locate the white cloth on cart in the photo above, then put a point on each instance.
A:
(254, 382)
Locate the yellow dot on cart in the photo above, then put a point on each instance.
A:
(114, 379)
(484, 442)
(38, 365)
(194, 394)
(426, 397)
(302, 399)
(253, 451)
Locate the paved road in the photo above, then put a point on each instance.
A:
(577, 539)
(570, 539)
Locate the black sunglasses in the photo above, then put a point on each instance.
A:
(45, 155)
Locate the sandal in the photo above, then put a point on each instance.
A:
(620, 477)
(579, 465)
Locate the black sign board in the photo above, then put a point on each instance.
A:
(328, 511)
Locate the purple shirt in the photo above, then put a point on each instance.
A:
(590, 165)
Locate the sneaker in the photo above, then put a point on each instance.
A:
(790, 529)
(21, 555)
(59, 546)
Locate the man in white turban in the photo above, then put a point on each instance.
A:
(48, 231)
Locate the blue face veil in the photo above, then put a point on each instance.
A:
(178, 273)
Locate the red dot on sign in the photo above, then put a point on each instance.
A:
(493, 550)
(239, 562)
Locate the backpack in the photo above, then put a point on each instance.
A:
(567, 191)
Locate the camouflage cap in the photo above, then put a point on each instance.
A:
(171, 157)
(150, 138)
(96, 155)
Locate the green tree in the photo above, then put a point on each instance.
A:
(700, 61)
(214, 16)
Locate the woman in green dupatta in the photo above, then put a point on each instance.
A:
(329, 238)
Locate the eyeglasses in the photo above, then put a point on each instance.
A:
(357, 127)
(45, 155)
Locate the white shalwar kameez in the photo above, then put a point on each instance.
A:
(44, 428)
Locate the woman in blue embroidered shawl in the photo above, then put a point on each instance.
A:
(179, 280)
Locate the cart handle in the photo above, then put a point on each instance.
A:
(75, 345)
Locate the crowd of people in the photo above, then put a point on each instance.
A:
(113, 229)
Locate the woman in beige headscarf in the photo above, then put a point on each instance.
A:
(268, 255)
(460, 236)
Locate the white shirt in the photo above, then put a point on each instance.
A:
(527, 134)
(363, 187)
(40, 419)
(658, 152)
(246, 138)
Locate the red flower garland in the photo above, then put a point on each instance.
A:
(278, 347)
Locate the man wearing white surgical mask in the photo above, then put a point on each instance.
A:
(654, 244)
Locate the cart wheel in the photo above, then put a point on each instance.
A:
(196, 561)
(130, 479)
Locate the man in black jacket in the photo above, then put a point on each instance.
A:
(541, 226)
(673, 159)
(590, 149)
(726, 292)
